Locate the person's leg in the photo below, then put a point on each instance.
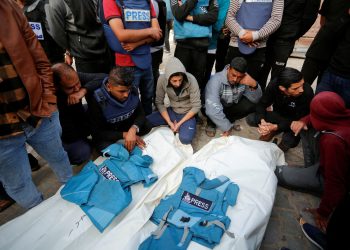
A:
(15, 173)
(232, 52)
(93, 66)
(256, 62)
(310, 146)
(183, 54)
(46, 141)
(311, 69)
(5, 200)
(187, 131)
(252, 120)
(221, 52)
(156, 119)
(289, 140)
(209, 66)
(143, 79)
(198, 63)
(156, 61)
(300, 178)
(78, 151)
(239, 110)
(326, 83)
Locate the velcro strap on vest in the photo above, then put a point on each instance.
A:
(184, 236)
(222, 226)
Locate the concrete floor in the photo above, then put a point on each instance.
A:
(283, 228)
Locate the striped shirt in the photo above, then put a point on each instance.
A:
(14, 102)
(261, 35)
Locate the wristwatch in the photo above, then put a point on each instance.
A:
(137, 128)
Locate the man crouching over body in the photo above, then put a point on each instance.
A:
(116, 112)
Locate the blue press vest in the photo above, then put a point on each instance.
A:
(252, 15)
(103, 191)
(115, 111)
(197, 211)
(135, 15)
(185, 29)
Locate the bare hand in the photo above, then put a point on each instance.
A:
(227, 133)
(226, 31)
(172, 126)
(176, 126)
(248, 80)
(247, 36)
(140, 142)
(77, 96)
(68, 59)
(266, 127)
(155, 33)
(297, 126)
(189, 18)
(130, 139)
(321, 222)
(129, 46)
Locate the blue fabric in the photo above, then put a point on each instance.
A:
(169, 13)
(143, 80)
(15, 173)
(252, 16)
(194, 211)
(335, 83)
(113, 110)
(185, 29)
(187, 130)
(103, 191)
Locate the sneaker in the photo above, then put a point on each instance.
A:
(210, 131)
(5, 203)
(313, 234)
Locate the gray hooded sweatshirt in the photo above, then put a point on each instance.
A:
(189, 97)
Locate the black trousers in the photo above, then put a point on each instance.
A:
(236, 111)
(255, 60)
(277, 54)
(157, 58)
(195, 61)
(288, 137)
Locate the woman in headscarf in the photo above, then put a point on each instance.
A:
(329, 116)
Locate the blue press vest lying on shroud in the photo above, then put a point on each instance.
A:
(252, 15)
(135, 15)
(115, 111)
(103, 191)
(197, 211)
(185, 29)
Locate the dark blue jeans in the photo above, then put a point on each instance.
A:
(187, 130)
(15, 173)
(143, 80)
(335, 83)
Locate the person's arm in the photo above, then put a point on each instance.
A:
(335, 165)
(41, 62)
(160, 93)
(309, 16)
(272, 24)
(56, 15)
(181, 10)
(209, 17)
(253, 90)
(231, 21)
(91, 81)
(140, 117)
(213, 106)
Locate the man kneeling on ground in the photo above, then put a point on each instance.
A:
(290, 99)
(116, 112)
(230, 95)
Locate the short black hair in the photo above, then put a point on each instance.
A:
(123, 76)
(179, 74)
(239, 64)
(288, 76)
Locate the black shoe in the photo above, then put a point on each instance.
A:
(313, 234)
(34, 163)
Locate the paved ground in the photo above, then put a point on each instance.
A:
(283, 228)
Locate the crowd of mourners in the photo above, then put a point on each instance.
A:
(115, 93)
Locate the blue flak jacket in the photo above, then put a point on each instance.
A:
(197, 211)
(103, 191)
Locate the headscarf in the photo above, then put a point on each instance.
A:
(328, 112)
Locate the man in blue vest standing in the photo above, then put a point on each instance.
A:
(192, 27)
(251, 22)
(132, 27)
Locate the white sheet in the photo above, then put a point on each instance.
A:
(58, 224)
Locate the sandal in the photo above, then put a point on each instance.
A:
(210, 131)
(236, 127)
